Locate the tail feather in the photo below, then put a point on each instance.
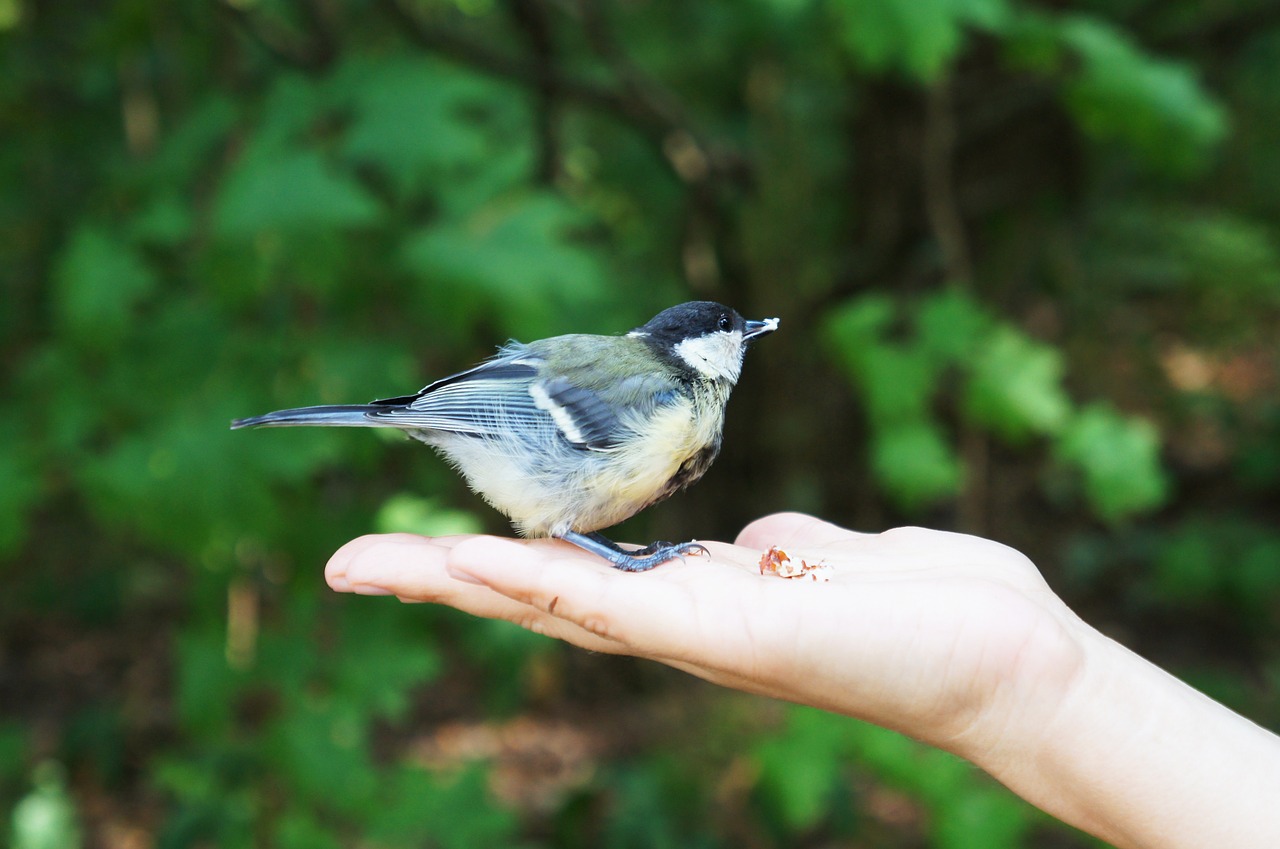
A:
(332, 415)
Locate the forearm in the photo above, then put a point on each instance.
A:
(1140, 759)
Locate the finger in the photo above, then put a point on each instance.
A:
(413, 569)
(336, 571)
(382, 564)
(651, 613)
(410, 567)
(795, 529)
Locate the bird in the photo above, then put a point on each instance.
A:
(573, 434)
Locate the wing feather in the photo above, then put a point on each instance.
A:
(511, 394)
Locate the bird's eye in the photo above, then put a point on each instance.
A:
(726, 323)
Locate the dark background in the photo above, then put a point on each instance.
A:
(1025, 257)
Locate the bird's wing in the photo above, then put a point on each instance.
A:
(490, 399)
(513, 392)
(599, 418)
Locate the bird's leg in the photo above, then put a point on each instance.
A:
(651, 548)
(631, 561)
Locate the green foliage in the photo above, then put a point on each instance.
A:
(46, 817)
(1228, 560)
(916, 463)
(452, 812)
(1119, 458)
(1009, 385)
(1119, 92)
(212, 212)
(100, 281)
(420, 123)
(406, 513)
(920, 39)
(804, 768)
(1221, 268)
(517, 253)
(1016, 386)
(22, 489)
(272, 192)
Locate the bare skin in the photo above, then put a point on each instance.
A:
(952, 639)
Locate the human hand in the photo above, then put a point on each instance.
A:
(946, 637)
(949, 638)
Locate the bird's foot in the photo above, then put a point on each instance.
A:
(641, 560)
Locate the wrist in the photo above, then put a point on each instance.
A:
(1033, 670)
(1059, 724)
(1128, 753)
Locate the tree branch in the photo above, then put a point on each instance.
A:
(531, 17)
(938, 177)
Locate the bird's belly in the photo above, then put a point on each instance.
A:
(563, 488)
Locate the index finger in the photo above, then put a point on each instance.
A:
(795, 529)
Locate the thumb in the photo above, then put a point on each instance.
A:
(792, 529)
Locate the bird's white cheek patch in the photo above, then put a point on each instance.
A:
(717, 356)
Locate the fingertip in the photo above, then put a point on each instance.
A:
(336, 571)
(774, 529)
(784, 529)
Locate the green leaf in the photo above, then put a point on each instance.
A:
(206, 685)
(982, 818)
(322, 751)
(1230, 258)
(383, 657)
(915, 463)
(1156, 107)
(1120, 459)
(99, 281)
(855, 328)
(920, 38)
(519, 253)
(188, 148)
(931, 775)
(1032, 41)
(1229, 558)
(951, 326)
(898, 384)
(1016, 386)
(46, 817)
(165, 222)
(286, 118)
(412, 514)
(289, 192)
(449, 811)
(801, 767)
(414, 117)
(302, 829)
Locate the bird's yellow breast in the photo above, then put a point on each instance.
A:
(586, 490)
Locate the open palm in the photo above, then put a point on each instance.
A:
(916, 630)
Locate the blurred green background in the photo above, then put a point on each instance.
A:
(1026, 260)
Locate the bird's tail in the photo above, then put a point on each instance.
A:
(332, 415)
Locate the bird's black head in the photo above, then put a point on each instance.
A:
(704, 336)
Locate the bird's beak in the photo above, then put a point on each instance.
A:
(760, 328)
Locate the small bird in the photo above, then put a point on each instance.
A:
(575, 433)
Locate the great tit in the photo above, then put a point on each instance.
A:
(576, 433)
